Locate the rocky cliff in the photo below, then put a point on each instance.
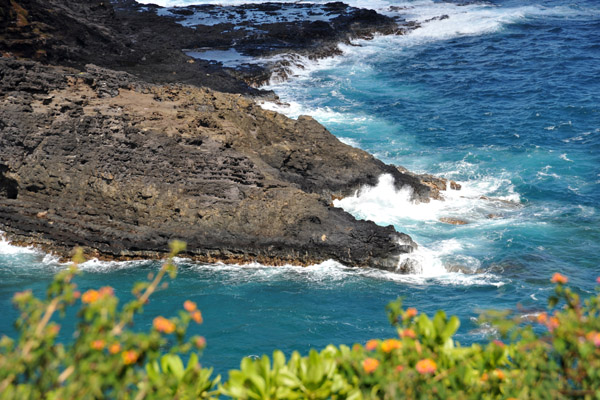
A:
(118, 164)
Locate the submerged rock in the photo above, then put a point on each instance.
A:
(453, 221)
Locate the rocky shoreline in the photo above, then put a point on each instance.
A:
(113, 139)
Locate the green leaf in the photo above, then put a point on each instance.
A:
(450, 328)
(173, 364)
(153, 370)
(278, 360)
(425, 326)
(439, 322)
(192, 362)
(287, 378)
(260, 384)
(314, 372)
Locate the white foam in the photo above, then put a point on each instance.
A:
(9, 249)
(564, 157)
(293, 109)
(95, 265)
(52, 260)
(385, 204)
(297, 67)
(545, 173)
(578, 138)
(330, 271)
(326, 272)
(474, 204)
(349, 141)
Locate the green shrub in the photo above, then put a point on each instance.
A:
(555, 354)
(106, 359)
(425, 362)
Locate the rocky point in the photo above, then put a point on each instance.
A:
(120, 144)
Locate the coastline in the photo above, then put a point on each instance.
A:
(249, 185)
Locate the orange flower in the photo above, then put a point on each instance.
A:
(498, 343)
(114, 348)
(54, 329)
(499, 374)
(106, 291)
(98, 344)
(20, 296)
(372, 344)
(542, 318)
(408, 333)
(162, 324)
(399, 368)
(410, 312)
(90, 296)
(594, 337)
(197, 316)
(200, 342)
(356, 347)
(129, 356)
(77, 294)
(552, 324)
(426, 366)
(189, 306)
(484, 377)
(559, 278)
(370, 365)
(390, 344)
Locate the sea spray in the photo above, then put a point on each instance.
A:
(8, 249)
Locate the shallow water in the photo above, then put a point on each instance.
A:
(502, 97)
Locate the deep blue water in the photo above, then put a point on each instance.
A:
(502, 97)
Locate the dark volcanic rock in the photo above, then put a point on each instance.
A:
(435, 184)
(75, 33)
(127, 36)
(110, 160)
(102, 160)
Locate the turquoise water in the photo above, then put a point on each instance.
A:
(502, 97)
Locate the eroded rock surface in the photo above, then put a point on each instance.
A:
(122, 160)
(127, 36)
(103, 160)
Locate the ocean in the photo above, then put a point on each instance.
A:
(501, 96)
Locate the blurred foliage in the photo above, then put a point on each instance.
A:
(552, 354)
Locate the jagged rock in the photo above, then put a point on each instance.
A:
(435, 183)
(128, 36)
